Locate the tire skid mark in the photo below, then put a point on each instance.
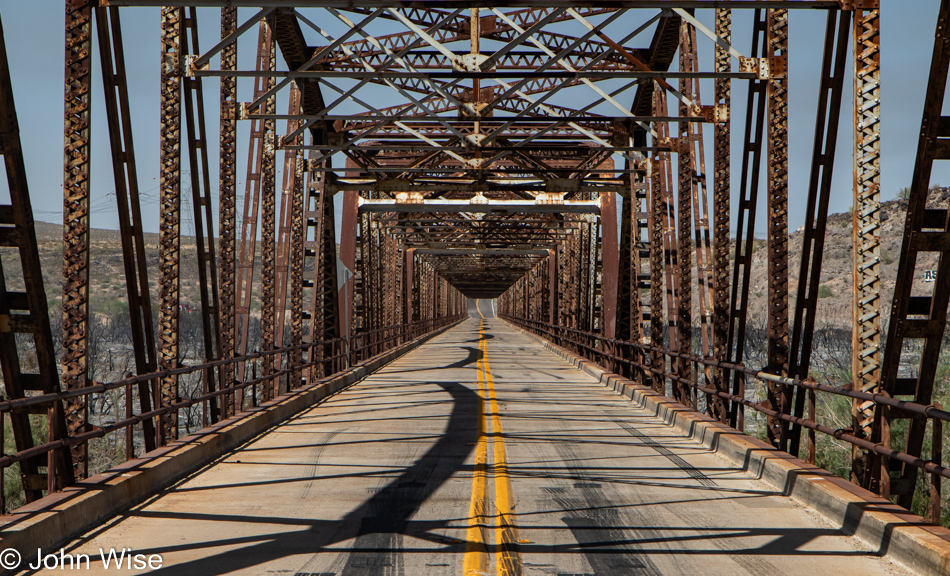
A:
(594, 522)
(692, 471)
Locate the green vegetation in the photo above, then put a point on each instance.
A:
(112, 307)
(825, 292)
(835, 412)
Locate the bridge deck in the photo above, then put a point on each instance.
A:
(379, 480)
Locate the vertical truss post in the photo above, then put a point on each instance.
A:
(777, 53)
(169, 238)
(76, 182)
(626, 283)
(641, 273)
(227, 211)
(816, 213)
(268, 231)
(410, 285)
(348, 246)
(26, 313)
(745, 222)
(693, 138)
(252, 200)
(297, 255)
(360, 318)
(289, 246)
(684, 224)
(657, 221)
(119, 118)
(583, 270)
(325, 320)
(917, 315)
(399, 296)
(203, 213)
(866, 224)
(610, 261)
(722, 134)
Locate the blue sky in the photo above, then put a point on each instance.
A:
(34, 40)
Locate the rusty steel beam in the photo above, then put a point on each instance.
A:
(689, 87)
(837, 33)
(610, 259)
(253, 183)
(722, 135)
(119, 116)
(268, 193)
(76, 196)
(349, 237)
(227, 209)
(917, 317)
(297, 257)
(753, 148)
(203, 215)
(169, 240)
(26, 313)
(325, 322)
(657, 222)
(779, 395)
(687, 213)
(285, 240)
(866, 226)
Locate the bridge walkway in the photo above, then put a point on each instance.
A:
(478, 452)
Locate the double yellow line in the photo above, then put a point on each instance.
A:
(508, 558)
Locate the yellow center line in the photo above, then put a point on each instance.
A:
(476, 560)
(508, 562)
(476, 549)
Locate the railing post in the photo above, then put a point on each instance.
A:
(936, 457)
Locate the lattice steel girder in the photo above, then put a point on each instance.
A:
(76, 190)
(505, 184)
(534, 80)
(379, 77)
(227, 209)
(722, 136)
(479, 252)
(866, 226)
(779, 395)
(169, 242)
(481, 205)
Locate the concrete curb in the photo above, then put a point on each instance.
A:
(886, 527)
(55, 519)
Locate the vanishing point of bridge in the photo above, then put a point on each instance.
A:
(478, 307)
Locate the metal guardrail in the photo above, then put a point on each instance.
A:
(331, 357)
(616, 354)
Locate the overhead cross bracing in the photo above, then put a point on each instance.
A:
(551, 156)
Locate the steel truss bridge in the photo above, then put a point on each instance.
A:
(545, 155)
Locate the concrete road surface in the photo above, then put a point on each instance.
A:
(478, 453)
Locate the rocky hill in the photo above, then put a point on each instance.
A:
(834, 304)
